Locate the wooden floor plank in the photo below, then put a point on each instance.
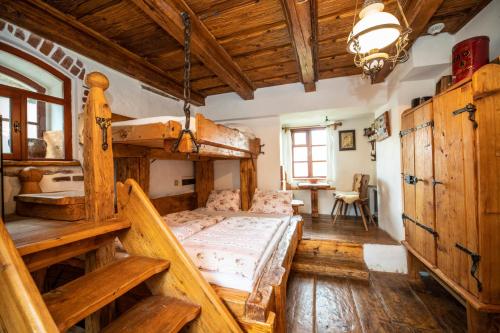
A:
(79, 298)
(335, 309)
(155, 314)
(369, 307)
(400, 303)
(445, 309)
(300, 303)
(348, 229)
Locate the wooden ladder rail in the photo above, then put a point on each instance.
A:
(22, 308)
(149, 236)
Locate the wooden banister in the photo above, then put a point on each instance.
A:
(98, 172)
(149, 236)
(21, 305)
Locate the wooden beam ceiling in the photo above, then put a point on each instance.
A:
(300, 19)
(68, 32)
(166, 13)
(418, 13)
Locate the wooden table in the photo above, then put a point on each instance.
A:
(314, 188)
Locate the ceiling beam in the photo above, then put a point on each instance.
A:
(299, 19)
(65, 30)
(418, 13)
(166, 13)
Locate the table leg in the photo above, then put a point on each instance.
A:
(314, 203)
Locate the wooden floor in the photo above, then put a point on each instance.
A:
(388, 303)
(348, 229)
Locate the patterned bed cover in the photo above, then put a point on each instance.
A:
(230, 248)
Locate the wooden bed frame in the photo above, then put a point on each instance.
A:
(264, 309)
(216, 141)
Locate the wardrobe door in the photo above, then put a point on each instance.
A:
(455, 194)
(408, 169)
(425, 241)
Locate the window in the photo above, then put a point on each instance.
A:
(35, 106)
(309, 153)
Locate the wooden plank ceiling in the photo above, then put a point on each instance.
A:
(238, 45)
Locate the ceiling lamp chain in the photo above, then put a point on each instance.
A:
(187, 85)
(373, 34)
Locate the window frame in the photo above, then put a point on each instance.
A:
(21, 96)
(309, 146)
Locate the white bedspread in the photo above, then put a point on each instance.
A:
(234, 252)
(231, 249)
(187, 223)
(154, 120)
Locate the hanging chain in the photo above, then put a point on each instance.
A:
(187, 85)
(187, 68)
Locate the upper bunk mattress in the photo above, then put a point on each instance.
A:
(155, 120)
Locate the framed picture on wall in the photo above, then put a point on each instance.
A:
(347, 140)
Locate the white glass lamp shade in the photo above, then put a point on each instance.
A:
(371, 38)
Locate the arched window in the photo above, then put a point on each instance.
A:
(35, 105)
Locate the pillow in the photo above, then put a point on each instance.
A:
(224, 200)
(272, 202)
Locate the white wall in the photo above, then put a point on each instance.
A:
(268, 164)
(347, 163)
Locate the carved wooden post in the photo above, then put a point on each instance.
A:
(204, 177)
(98, 178)
(248, 181)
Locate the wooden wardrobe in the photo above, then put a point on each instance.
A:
(451, 188)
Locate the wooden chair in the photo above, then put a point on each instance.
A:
(358, 197)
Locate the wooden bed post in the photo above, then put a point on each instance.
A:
(204, 178)
(248, 181)
(98, 178)
(137, 168)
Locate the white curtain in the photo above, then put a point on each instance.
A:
(330, 151)
(286, 151)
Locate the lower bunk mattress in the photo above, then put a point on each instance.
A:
(230, 249)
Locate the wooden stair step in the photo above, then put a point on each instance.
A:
(32, 235)
(355, 269)
(155, 314)
(79, 298)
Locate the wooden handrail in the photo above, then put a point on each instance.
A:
(150, 236)
(21, 305)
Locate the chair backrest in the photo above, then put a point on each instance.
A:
(356, 182)
(363, 189)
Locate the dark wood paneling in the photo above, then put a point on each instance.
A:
(175, 203)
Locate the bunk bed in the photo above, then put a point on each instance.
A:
(214, 140)
(261, 308)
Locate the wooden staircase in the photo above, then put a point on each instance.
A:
(63, 307)
(331, 258)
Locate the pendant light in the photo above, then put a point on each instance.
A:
(372, 36)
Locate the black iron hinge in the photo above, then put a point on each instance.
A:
(436, 182)
(413, 129)
(471, 109)
(475, 264)
(412, 180)
(423, 226)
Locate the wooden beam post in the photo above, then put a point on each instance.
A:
(203, 44)
(99, 175)
(204, 178)
(69, 32)
(299, 18)
(248, 181)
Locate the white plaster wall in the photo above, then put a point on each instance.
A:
(347, 163)
(268, 164)
(338, 93)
